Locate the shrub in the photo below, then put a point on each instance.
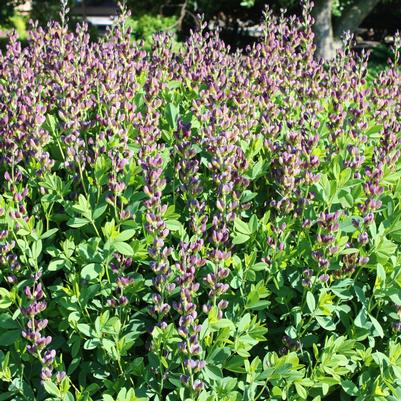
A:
(199, 224)
(145, 26)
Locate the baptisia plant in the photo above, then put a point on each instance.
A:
(198, 223)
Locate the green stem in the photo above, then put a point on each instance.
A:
(82, 179)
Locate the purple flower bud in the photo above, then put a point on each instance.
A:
(368, 218)
(397, 327)
(111, 303)
(182, 346)
(184, 379)
(363, 238)
(195, 349)
(198, 385)
(363, 260)
(46, 373)
(123, 281)
(190, 364)
(183, 331)
(11, 279)
(206, 308)
(28, 292)
(48, 357)
(306, 283)
(222, 304)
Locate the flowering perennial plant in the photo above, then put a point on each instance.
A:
(198, 224)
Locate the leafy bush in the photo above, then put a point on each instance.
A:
(198, 225)
(145, 26)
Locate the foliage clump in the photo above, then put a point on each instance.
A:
(198, 224)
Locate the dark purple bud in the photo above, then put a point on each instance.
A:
(184, 379)
(397, 327)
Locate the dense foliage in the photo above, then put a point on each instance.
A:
(7, 10)
(198, 224)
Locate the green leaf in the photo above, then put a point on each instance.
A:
(380, 276)
(260, 266)
(244, 322)
(51, 388)
(349, 387)
(22, 387)
(222, 324)
(92, 343)
(91, 271)
(171, 115)
(123, 248)
(73, 365)
(125, 235)
(326, 322)
(50, 123)
(310, 301)
(48, 233)
(5, 298)
(174, 225)
(36, 249)
(235, 364)
(247, 196)
(99, 211)
(78, 222)
(240, 239)
(85, 329)
(349, 251)
(7, 322)
(377, 326)
(253, 224)
(9, 337)
(384, 248)
(257, 305)
(345, 199)
(213, 372)
(247, 3)
(361, 319)
(301, 391)
(56, 264)
(374, 131)
(258, 170)
(23, 233)
(242, 227)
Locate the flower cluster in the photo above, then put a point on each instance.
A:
(33, 332)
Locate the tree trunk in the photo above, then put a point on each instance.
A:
(323, 29)
(354, 16)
